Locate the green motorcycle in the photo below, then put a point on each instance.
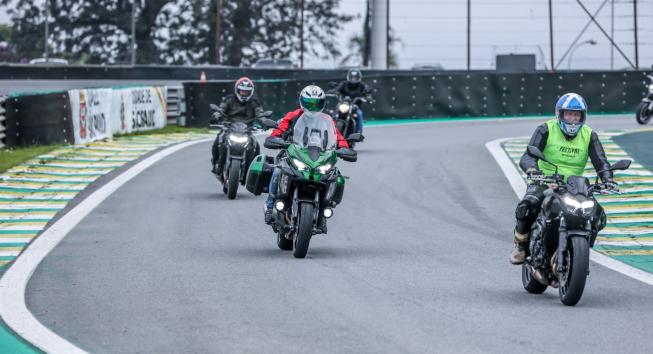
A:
(309, 186)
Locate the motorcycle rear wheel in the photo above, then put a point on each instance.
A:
(642, 114)
(304, 230)
(572, 283)
(530, 283)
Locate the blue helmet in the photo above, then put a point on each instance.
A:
(571, 102)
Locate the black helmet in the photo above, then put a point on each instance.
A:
(354, 76)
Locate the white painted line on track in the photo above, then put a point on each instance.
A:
(13, 309)
(519, 186)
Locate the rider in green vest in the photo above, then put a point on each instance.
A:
(567, 142)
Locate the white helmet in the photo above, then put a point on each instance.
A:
(312, 98)
(244, 89)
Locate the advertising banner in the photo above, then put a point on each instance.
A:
(136, 109)
(91, 111)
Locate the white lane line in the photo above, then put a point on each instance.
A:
(519, 186)
(13, 309)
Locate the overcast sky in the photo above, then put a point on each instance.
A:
(434, 31)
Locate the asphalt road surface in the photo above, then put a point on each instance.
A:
(416, 260)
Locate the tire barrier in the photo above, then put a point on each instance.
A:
(448, 95)
(38, 120)
(3, 118)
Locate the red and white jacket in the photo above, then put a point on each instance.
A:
(288, 122)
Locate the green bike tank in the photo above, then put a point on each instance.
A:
(570, 155)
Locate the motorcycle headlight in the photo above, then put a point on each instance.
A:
(573, 204)
(300, 165)
(343, 108)
(324, 168)
(650, 88)
(241, 139)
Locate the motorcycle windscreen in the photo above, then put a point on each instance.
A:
(315, 130)
(578, 185)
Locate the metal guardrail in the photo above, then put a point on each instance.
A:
(176, 105)
(3, 118)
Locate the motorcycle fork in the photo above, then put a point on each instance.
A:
(562, 245)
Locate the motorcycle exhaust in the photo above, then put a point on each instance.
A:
(538, 276)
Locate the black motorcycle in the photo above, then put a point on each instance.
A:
(346, 115)
(564, 231)
(644, 110)
(242, 147)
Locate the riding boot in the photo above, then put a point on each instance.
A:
(518, 254)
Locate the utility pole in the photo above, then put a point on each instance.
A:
(133, 60)
(469, 31)
(551, 34)
(379, 35)
(636, 41)
(387, 36)
(218, 44)
(301, 35)
(47, 31)
(612, 35)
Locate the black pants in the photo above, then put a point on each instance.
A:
(529, 207)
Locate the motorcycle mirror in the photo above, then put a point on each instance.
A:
(214, 107)
(268, 123)
(621, 165)
(332, 84)
(276, 143)
(355, 137)
(348, 155)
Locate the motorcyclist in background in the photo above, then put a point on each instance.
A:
(241, 106)
(567, 142)
(312, 98)
(355, 89)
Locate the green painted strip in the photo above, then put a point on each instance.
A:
(69, 167)
(7, 258)
(19, 232)
(630, 202)
(18, 211)
(13, 244)
(60, 174)
(17, 221)
(55, 181)
(631, 214)
(631, 224)
(10, 342)
(634, 237)
(38, 190)
(33, 200)
(622, 248)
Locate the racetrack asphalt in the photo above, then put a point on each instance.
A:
(416, 260)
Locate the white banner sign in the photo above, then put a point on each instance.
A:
(91, 110)
(141, 108)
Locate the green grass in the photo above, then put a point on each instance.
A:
(12, 157)
(169, 129)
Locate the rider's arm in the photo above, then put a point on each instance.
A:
(342, 142)
(539, 141)
(284, 124)
(225, 107)
(599, 160)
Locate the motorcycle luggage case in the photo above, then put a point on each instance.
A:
(259, 174)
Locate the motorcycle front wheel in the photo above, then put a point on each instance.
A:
(572, 282)
(232, 182)
(643, 115)
(304, 230)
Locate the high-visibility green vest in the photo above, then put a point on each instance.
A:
(570, 155)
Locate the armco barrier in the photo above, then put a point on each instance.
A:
(448, 94)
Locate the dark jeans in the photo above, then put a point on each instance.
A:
(272, 190)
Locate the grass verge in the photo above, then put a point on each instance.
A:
(12, 157)
(169, 129)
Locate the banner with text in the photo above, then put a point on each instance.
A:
(91, 111)
(136, 109)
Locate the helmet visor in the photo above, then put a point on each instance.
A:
(313, 104)
(572, 116)
(244, 93)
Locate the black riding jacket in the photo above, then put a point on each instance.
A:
(345, 88)
(596, 153)
(236, 111)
